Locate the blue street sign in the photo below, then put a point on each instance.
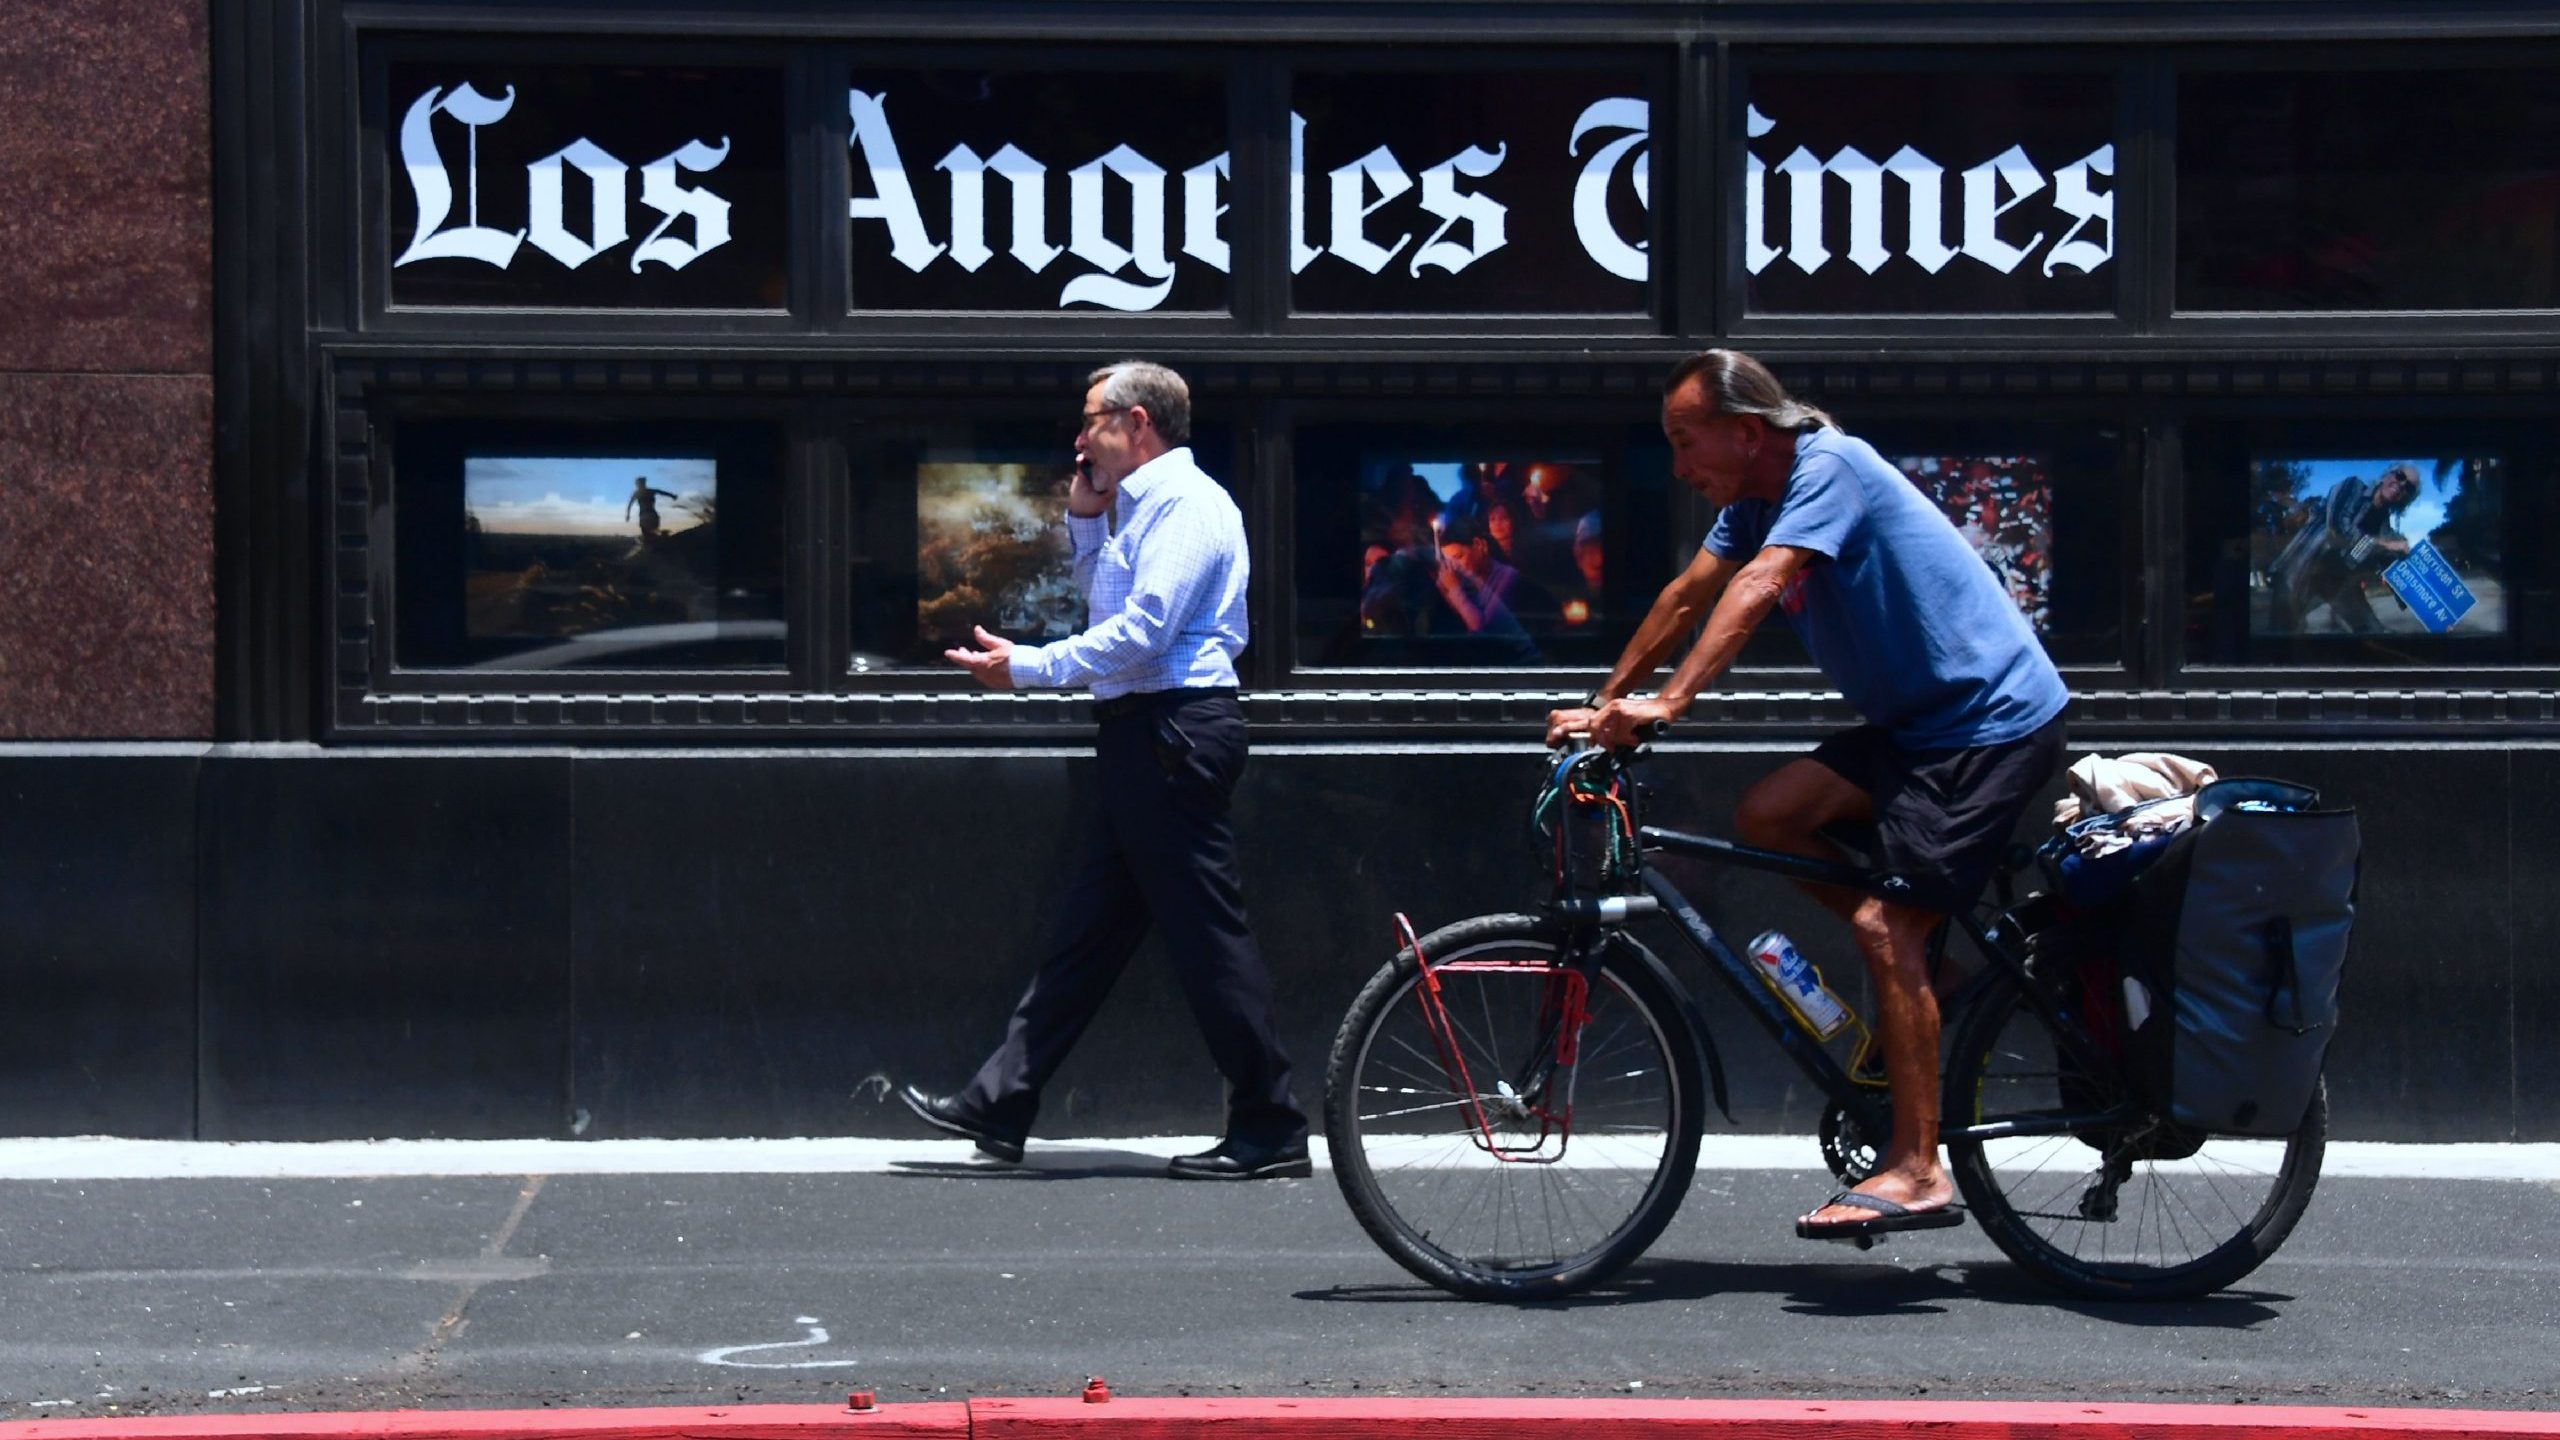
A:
(2428, 586)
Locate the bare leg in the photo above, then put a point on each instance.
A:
(1785, 812)
(1895, 941)
(1788, 810)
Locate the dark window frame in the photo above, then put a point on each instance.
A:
(1291, 417)
(1654, 320)
(367, 182)
(2135, 189)
(290, 330)
(2356, 418)
(869, 429)
(365, 555)
(1243, 72)
(2334, 56)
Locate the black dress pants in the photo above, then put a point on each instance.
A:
(1158, 850)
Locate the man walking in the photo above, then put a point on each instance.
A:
(1160, 555)
(1963, 710)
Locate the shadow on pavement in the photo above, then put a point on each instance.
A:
(1850, 1291)
(1049, 1164)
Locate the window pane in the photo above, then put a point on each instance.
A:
(1476, 548)
(1060, 188)
(1492, 191)
(962, 524)
(586, 185)
(2370, 544)
(525, 546)
(2043, 505)
(2372, 190)
(1918, 192)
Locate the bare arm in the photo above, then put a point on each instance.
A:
(1747, 601)
(1749, 593)
(1675, 612)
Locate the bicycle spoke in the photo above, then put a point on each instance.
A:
(1577, 1150)
(2179, 1218)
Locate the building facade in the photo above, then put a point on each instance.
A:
(501, 478)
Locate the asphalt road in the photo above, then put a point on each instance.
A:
(942, 1280)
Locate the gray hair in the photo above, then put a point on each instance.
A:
(1740, 385)
(1145, 385)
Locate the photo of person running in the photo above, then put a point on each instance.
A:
(1963, 709)
(644, 497)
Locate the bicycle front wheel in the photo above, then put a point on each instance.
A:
(1525, 1129)
(2142, 1210)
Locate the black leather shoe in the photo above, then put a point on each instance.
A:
(1238, 1160)
(947, 1114)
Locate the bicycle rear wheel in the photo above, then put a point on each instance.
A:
(2143, 1210)
(1501, 1152)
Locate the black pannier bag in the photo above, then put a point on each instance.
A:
(2239, 933)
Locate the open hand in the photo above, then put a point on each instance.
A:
(991, 663)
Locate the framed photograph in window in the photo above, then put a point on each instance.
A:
(2367, 542)
(2375, 545)
(2046, 504)
(1474, 549)
(962, 523)
(584, 546)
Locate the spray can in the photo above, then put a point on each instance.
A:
(1799, 984)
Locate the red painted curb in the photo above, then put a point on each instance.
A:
(1130, 1418)
(934, 1421)
(1449, 1419)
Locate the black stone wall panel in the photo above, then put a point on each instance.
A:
(296, 944)
(766, 942)
(385, 946)
(97, 948)
(2425, 1046)
(2533, 949)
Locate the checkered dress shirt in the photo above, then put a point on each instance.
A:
(1165, 591)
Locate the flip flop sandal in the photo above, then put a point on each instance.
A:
(1889, 1218)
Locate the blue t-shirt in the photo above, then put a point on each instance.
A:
(1904, 617)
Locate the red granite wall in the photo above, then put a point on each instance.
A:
(106, 390)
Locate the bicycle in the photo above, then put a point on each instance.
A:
(1514, 1101)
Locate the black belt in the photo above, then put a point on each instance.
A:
(1144, 702)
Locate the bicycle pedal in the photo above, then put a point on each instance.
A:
(1863, 1242)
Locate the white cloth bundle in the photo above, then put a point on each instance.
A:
(2101, 786)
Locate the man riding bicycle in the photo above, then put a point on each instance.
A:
(1963, 709)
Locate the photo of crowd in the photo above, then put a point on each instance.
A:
(2003, 505)
(1484, 561)
(2322, 534)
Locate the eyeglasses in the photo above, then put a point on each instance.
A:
(1105, 413)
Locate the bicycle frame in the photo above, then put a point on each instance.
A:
(1866, 1105)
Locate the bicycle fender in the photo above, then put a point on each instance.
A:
(1690, 1012)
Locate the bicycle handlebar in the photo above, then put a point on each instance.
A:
(1577, 742)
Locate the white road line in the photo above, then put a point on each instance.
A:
(102, 1158)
